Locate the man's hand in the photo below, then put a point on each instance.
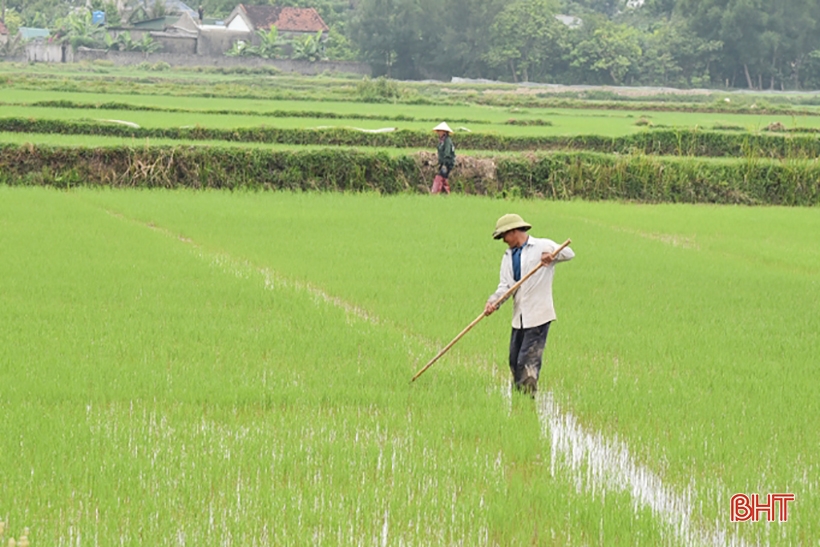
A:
(489, 308)
(546, 259)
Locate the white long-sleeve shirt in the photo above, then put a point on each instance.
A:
(532, 302)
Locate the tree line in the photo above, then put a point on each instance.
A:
(754, 44)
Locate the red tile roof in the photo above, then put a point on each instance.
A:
(285, 19)
(3, 29)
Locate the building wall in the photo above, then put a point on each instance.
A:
(176, 44)
(38, 51)
(217, 42)
(238, 24)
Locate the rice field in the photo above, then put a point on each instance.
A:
(20, 101)
(562, 122)
(183, 368)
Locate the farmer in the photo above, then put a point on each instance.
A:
(446, 158)
(533, 310)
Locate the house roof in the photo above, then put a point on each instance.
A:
(159, 23)
(186, 22)
(570, 20)
(28, 33)
(285, 19)
(3, 29)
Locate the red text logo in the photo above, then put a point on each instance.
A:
(775, 506)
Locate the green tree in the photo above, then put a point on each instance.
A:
(338, 47)
(765, 43)
(461, 38)
(78, 30)
(609, 8)
(608, 53)
(13, 22)
(43, 13)
(659, 9)
(674, 56)
(525, 36)
(397, 37)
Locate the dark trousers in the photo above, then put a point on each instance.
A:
(526, 352)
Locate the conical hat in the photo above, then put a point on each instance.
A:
(443, 127)
(510, 222)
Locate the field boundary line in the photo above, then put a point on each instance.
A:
(592, 461)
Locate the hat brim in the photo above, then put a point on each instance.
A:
(498, 234)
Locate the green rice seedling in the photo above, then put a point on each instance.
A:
(674, 321)
(158, 389)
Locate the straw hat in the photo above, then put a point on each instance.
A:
(443, 127)
(509, 222)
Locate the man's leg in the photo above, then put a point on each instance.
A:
(516, 338)
(438, 183)
(529, 357)
(444, 173)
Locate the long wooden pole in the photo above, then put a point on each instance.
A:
(498, 302)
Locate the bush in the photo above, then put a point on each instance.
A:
(565, 175)
(665, 142)
(534, 122)
(379, 90)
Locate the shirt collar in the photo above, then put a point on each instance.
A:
(527, 242)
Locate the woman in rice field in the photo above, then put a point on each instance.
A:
(533, 310)
(446, 158)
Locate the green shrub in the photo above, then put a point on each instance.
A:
(534, 122)
(380, 89)
(564, 175)
(665, 142)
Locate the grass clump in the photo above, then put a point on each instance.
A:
(379, 89)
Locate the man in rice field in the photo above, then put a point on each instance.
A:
(446, 158)
(533, 310)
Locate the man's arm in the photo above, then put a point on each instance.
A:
(565, 254)
(504, 284)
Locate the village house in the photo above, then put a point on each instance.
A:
(289, 21)
(181, 30)
(184, 36)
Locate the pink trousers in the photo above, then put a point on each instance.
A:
(439, 184)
